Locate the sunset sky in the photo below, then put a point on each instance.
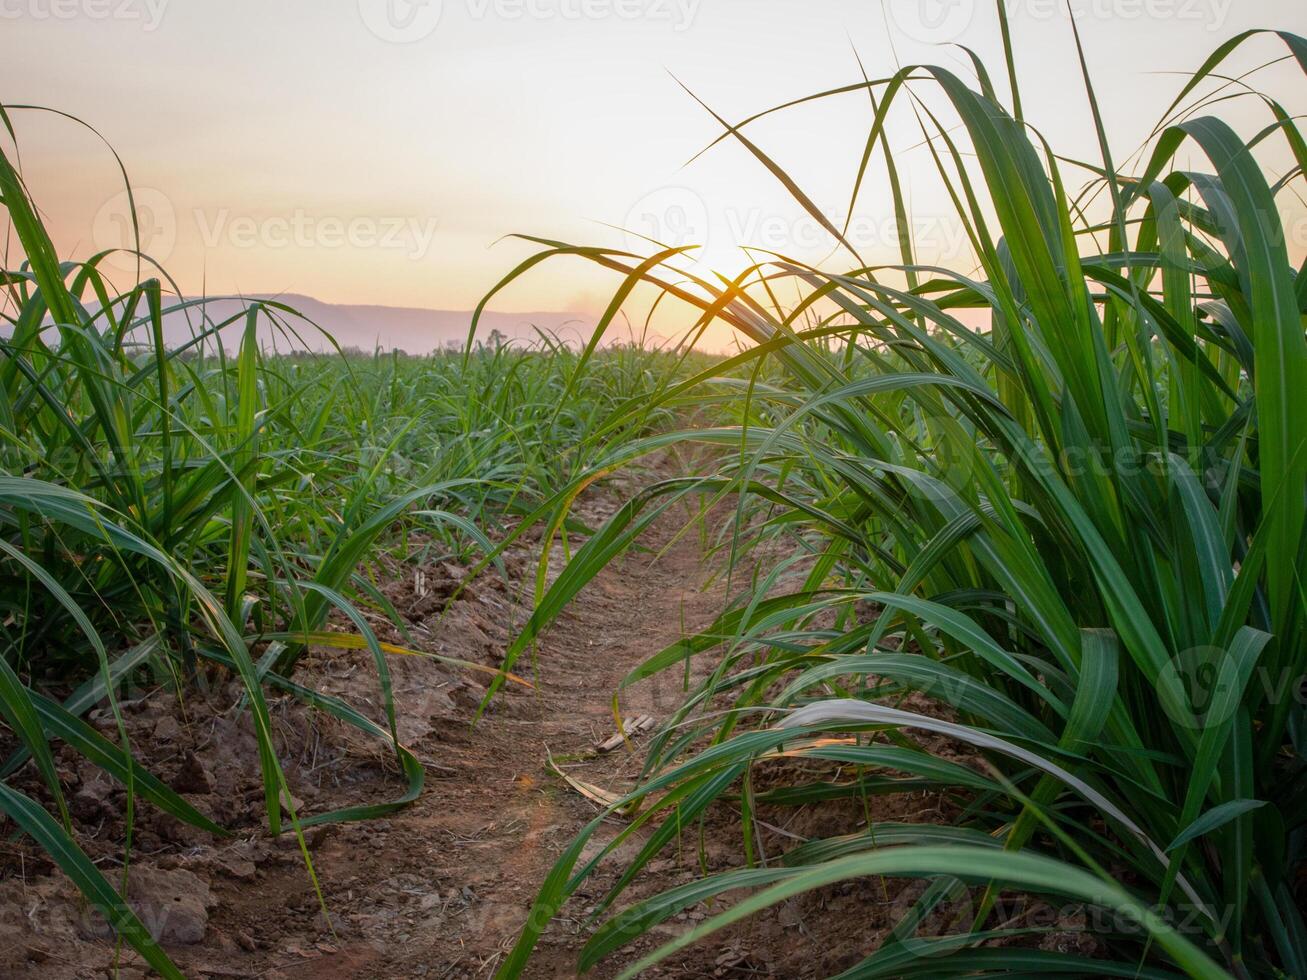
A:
(374, 151)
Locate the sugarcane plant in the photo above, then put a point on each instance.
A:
(1053, 507)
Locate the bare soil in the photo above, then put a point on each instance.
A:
(442, 887)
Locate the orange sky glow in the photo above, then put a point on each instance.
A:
(379, 151)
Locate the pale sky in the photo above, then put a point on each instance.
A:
(373, 151)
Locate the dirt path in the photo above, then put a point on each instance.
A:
(442, 887)
(460, 868)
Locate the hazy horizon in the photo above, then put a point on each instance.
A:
(419, 330)
(378, 151)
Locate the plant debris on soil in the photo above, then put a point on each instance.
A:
(442, 887)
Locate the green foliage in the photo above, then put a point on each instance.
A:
(201, 507)
(1071, 489)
